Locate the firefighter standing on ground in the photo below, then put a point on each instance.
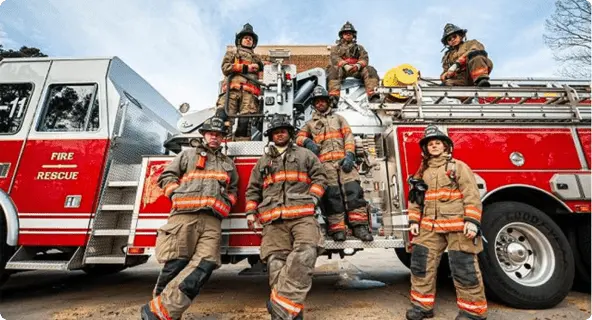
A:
(450, 219)
(285, 186)
(244, 92)
(202, 184)
(349, 59)
(465, 63)
(329, 136)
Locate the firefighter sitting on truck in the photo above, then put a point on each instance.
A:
(202, 184)
(243, 99)
(285, 187)
(465, 63)
(446, 216)
(349, 59)
(329, 136)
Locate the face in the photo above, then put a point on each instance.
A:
(453, 40)
(213, 139)
(435, 147)
(280, 137)
(321, 105)
(247, 41)
(348, 36)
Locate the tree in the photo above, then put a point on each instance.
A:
(568, 35)
(23, 52)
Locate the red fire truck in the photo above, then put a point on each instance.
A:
(83, 141)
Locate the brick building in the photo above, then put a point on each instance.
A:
(303, 56)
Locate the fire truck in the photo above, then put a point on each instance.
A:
(83, 142)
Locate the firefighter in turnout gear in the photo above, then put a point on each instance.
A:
(202, 185)
(329, 136)
(243, 97)
(446, 216)
(349, 59)
(465, 63)
(285, 187)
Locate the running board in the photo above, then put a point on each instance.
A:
(353, 243)
(21, 260)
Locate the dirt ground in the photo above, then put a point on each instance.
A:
(370, 285)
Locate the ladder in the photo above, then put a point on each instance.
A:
(507, 100)
(114, 222)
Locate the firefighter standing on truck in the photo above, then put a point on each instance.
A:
(329, 136)
(446, 216)
(243, 97)
(465, 63)
(285, 187)
(349, 59)
(202, 184)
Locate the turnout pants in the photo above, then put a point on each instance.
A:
(290, 249)
(189, 246)
(240, 102)
(462, 254)
(336, 74)
(477, 67)
(344, 195)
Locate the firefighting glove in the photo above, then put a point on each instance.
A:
(417, 191)
(358, 67)
(414, 229)
(348, 162)
(253, 67)
(451, 72)
(470, 229)
(310, 145)
(252, 221)
(347, 68)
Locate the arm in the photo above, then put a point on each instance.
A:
(471, 197)
(230, 64)
(413, 212)
(254, 192)
(471, 45)
(336, 58)
(318, 176)
(363, 60)
(349, 143)
(303, 135)
(233, 185)
(170, 177)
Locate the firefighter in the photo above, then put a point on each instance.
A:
(202, 184)
(446, 216)
(465, 63)
(285, 187)
(329, 136)
(244, 92)
(349, 59)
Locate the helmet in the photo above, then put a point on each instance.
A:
(449, 29)
(432, 132)
(246, 31)
(319, 92)
(279, 121)
(348, 27)
(213, 124)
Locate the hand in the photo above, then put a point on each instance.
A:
(414, 229)
(315, 200)
(253, 67)
(358, 66)
(253, 222)
(470, 230)
(347, 68)
(310, 145)
(348, 162)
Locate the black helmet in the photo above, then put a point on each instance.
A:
(279, 121)
(449, 29)
(213, 124)
(432, 132)
(246, 31)
(348, 27)
(319, 92)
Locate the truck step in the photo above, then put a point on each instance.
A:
(111, 232)
(122, 184)
(379, 242)
(111, 259)
(38, 265)
(117, 207)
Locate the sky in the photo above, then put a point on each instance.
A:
(178, 45)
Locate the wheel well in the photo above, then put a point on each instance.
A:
(535, 197)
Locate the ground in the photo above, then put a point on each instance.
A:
(369, 285)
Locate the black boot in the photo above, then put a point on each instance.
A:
(338, 236)
(483, 82)
(417, 313)
(466, 316)
(147, 314)
(375, 98)
(361, 232)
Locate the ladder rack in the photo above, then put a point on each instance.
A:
(506, 99)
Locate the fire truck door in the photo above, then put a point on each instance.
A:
(59, 176)
(20, 88)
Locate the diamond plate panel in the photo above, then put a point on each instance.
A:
(38, 265)
(379, 242)
(246, 148)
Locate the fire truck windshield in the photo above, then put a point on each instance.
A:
(14, 98)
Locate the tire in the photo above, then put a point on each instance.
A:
(404, 257)
(528, 262)
(5, 250)
(103, 269)
(579, 240)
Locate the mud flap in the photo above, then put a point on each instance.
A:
(419, 260)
